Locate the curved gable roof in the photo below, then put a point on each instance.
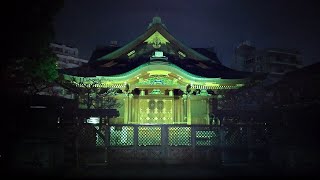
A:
(111, 61)
(155, 28)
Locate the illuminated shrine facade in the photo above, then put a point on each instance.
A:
(160, 80)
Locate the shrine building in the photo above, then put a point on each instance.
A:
(159, 79)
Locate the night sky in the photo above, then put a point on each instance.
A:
(197, 23)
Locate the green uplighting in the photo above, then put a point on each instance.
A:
(156, 40)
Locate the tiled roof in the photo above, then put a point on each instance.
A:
(110, 61)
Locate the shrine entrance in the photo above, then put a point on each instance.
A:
(155, 110)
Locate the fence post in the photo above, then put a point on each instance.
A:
(164, 141)
(107, 143)
(193, 141)
(77, 143)
(222, 143)
(135, 139)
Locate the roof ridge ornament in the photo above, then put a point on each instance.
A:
(156, 40)
(156, 20)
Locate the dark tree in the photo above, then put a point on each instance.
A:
(28, 32)
(90, 93)
(26, 60)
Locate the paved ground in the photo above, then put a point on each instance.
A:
(158, 171)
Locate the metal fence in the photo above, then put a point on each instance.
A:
(173, 143)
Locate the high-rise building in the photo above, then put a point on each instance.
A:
(274, 61)
(242, 52)
(68, 56)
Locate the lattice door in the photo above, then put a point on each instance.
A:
(155, 111)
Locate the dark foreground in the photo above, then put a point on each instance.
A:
(161, 171)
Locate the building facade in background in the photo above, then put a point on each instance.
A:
(274, 61)
(68, 56)
(241, 53)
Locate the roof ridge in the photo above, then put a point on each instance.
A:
(155, 26)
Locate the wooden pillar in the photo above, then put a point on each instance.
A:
(178, 110)
(134, 109)
(188, 110)
(130, 97)
(184, 108)
(208, 110)
(126, 109)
